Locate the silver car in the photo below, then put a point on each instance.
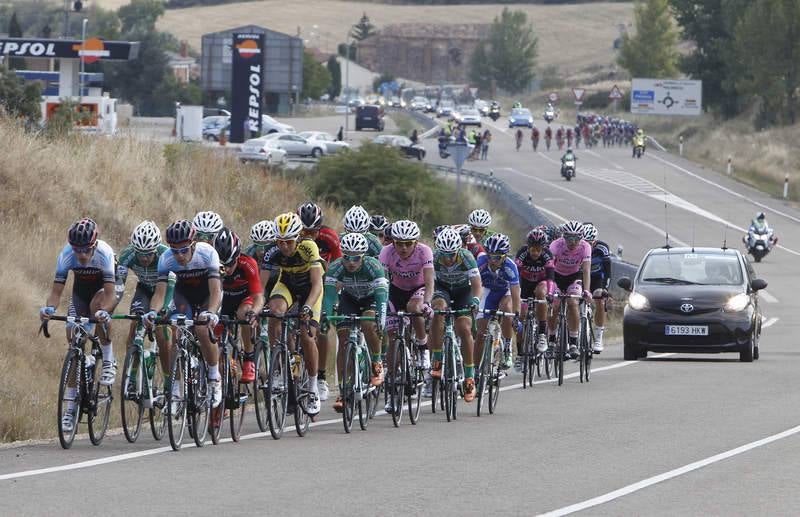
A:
(469, 117)
(296, 145)
(262, 150)
(329, 144)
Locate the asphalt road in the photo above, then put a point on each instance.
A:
(670, 435)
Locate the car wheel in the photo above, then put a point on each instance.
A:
(316, 152)
(747, 353)
(631, 352)
(272, 131)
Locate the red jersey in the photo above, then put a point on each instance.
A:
(328, 244)
(476, 248)
(244, 281)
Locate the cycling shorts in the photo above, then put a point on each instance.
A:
(399, 298)
(528, 289)
(182, 305)
(81, 300)
(231, 304)
(570, 284)
(300, 297)
(455, 300)
(353, 306)
(490, 301)
(141, 299)
(598, 282)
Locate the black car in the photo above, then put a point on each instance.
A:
(695, 300)
(369, 116)
(403, 143)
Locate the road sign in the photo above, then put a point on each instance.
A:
(578, 93)
(459, 152)
(553, 97)
(666, 97)
(615, 93)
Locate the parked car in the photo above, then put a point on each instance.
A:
(270, 125)
(262, 150)
(403, 143)
(210, 112)
(330, 145)
(213, 126)
(355, 102)
(520, 117)
(369, 116)
(296, 145)
(468, 117)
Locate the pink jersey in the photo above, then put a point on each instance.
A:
(406, 274)
(568, 262)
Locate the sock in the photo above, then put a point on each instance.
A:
(469, 371)
(376, 358)
(422, 344)
(108, 352)
(213, 372)
(598, 333)
(71, 393)
(573, 340)
(437, 354)
(506, 345)
(542, 327)
(312, 384)
(321, 375)
(552, 337)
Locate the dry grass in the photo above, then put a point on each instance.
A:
(119, 182)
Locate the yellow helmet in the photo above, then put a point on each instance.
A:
(288, 226)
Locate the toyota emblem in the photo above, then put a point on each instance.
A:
(687, 307)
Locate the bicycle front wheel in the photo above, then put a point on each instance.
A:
(348, 387)
(199, 400)
(261, 392)
(158, 420)
(217, 415)
(240, 394)
(100, 410)
(415, 378)
(397, 387)
(277, 393)
(176, 401)
(484, 371)
(301, 419)
(69, 399)
(131, 407)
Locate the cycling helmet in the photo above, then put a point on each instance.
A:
(438, 229)
(589, 232)
(760, 215)
(497, 243)
(288, 226)
(572, 228)
(263, 232)
(207, 222)
(480, 218)
(639, 132)
(82, 233)
(227, 245)
(180, 231)
(146, 237)
(310, 215)
(356, 219)
(448, 240)
(405, 230)
(354, 244)
(537, 237)
(378, 223)
(463, 230)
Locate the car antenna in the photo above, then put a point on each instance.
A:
(666, 218)
(725, 234)
(694, 226)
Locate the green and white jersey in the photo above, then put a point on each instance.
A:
(369, 280)
(251, 248)
(456, 277)
(147, 275)
(373, 241)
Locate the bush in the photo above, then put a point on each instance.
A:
(595, 101)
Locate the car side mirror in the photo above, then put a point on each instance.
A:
(758, 284)
(624, 283)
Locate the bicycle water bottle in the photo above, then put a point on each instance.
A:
(295, 359)
(171, 281)
(90, 362)
(149, 362)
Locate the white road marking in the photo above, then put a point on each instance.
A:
(767, 296)
(159, 450)
(770, 322)
(551, 213)
(635, 487)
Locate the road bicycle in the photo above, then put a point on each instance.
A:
(79, 391)
(533, 361)
(405, 378)
(450, 385)
(261, 391)
(235, 393)
(585, 337)
(488, 372)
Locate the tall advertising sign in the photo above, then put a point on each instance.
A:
(246, 86)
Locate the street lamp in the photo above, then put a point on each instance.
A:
(83, 46)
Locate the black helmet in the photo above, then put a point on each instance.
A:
(180, 231)
(310, 215)
(83, 233)
(378, 223)
(227, 245)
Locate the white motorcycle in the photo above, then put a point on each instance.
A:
(549, 115)
(759, 242)
(568, 169)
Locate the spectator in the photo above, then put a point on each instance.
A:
(485, 140)
(340, 134)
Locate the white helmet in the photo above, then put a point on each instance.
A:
(207, 222)
(354, 244)
(263, 232)
(356, 219)
(405, 230)
(146, 236)
(572, 228)
(480, 218)
(589, 232)
(448, 240)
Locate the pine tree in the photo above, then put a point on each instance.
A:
(651, 51)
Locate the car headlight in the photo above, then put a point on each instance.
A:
(737, 303)
(638, 302)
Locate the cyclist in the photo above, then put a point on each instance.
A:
(208, 225)
(409, 265)
(299, 268)
(518, 137)
(535, 138)
(141, 256)
(535, 264)
(479, 221)
(359, 284)
(572, 257)
(198, 294)
(601, 278)
(357, 220)
(377, 226)
(501, 291)
(327, 241)
(262, 235)
(457, 286)
(93, 293)
(242, 293)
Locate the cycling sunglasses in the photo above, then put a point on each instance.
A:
(182, 251)
(404, 243)
(145, 254)
(473, 229)
(572, 238)
(448, 254)
(352, 258)
(497, 256)
(83, 250)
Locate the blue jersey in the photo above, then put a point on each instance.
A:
(505, 276)
(601, 261)
(99, 270)
(193, 277)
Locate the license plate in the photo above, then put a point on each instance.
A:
(686, 330)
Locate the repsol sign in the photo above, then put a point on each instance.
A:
(91, 50)
(247, 86)
(28, 48)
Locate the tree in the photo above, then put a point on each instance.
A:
(15, 31)
(140, 15)
(383, 78)
(509, 57)
(341, 49)
(767, 44)
(651, 52)
(316, 78)
(363, 29)
(19, 99)
(480, 68)
(336, 77)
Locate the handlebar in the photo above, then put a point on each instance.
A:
(498, 313)
(80, 320)
(459, 312)
(401, 314)
(266, 313)
(350, 317)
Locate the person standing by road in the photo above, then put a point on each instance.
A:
(340, 134)
(414, 137)
(485, 140)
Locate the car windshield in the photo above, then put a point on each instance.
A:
(520, 112)
(470, 112)
(692, 268)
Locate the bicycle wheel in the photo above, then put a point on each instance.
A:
(436, 395)
(157, 413)
(261, 390)
(100, 410)
(397, 389)
(69, 402)
(301, 418)
(240, 394)
(415, 379)
(217, 415)
(448, 374)
(560, 350)
(527, 356)
(177, 406)
(348, 386)
(199, 400)
(494, 385)
(366, 391)
(374, 396)
(277, 394)
(131, 391)
(483, 372)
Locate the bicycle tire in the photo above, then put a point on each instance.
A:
(448, 375)
(415, 381)
(348, 386)
(177, 406)
(262, 397)
(527, 356)
(560, 350)
(217, 415)
(397, 390)
(301, 418)
(157, 413)
(277, 394)
(130, 400)
(590, 351)
(436, 395)
(199, 402)
(241, 394)
(71, 364)
(100, 410)
(364, 400)
(483, 373)
(494, 387)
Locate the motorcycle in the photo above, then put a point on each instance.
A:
(494, 114)
(443, 141)
(638, 151)
(549, 115)
(759, 243)
(568, 169)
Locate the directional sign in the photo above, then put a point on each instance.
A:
(666, 96)
(615, 93)
(459, 151)
(553, 97)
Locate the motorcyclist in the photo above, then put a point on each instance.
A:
(517, 104)
(759, 226)
(569, 156)
(639, 140)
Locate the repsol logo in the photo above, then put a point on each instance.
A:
(28, 48)
(254, 104)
